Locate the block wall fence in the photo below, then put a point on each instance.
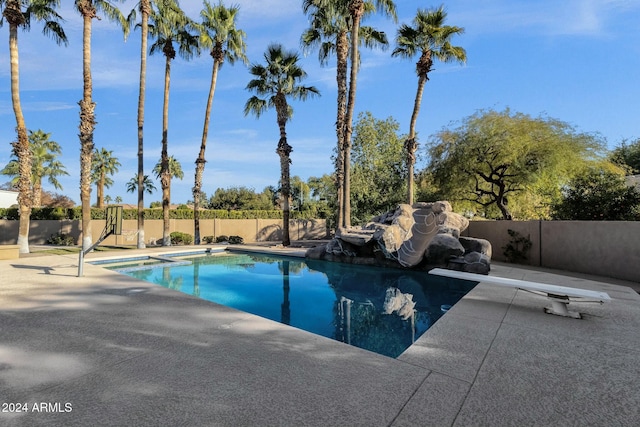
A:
(251, 230)
(602, 248)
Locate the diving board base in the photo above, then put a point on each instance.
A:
(560, 307)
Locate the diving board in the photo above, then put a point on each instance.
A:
(560, 296)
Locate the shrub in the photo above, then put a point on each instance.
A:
(518, 248)
(236, 240)
(222, 238)
(208, 239)
(61, 239)
(179, 238)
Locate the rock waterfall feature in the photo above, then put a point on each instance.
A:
(420, 236)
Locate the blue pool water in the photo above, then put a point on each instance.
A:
(381, 310)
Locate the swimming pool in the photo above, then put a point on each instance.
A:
(378, 309)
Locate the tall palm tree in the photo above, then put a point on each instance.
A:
(44, 164)
(225, 42)
(144, 7)
(329, 31)
(16, 16)
(175, 170)
(357, 9)
(169, 25)
(432, 39)
(89, 10)
(147, 185)
(103, 165)
(273, 83)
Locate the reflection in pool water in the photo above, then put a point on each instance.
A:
(382, 310)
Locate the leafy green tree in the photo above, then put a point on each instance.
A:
(239, 198)
(627, 155)
(300, 192)
(598, 194)
(378, 175)
(219, 34)
(170, 26)
(494, 157)
(89, 10)
(103, 165)
(329, 32)
(16, 17)
(274, 82)
(44, 164)
(430, 38)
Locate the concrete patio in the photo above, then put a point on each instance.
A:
(109, 350)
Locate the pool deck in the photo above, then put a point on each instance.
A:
(109, 350)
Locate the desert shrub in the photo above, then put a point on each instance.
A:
(208, 239)
(222, 238)
(61, 239)
(236, 240)
(517, 250)
(179, 238)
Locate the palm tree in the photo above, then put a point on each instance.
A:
(147, 185)
(44, 164)
(329, 31)
(431, 38)
(175, 171)
(357, 9)
(12, 11)
(144, 6)
(118, 199)
(89, 10)
(219, 34)
(103, 165)
(170, 25)
(275, 82)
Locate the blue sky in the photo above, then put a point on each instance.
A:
(574, 60)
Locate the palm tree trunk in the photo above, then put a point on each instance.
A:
(284, 151)
(100, 192)
(165, 178)
(356, 8)
(21, 145)
(411, 146)
(145, 9)
(201, 158)
(37, 193)
(87, 125)
(342, 49)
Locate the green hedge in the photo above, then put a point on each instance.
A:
(76, 214)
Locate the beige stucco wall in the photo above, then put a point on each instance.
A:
(604, 248)
(251, 230)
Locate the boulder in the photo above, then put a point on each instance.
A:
(442, 248)
(423, 235)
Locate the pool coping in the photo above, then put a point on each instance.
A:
(494, 358)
